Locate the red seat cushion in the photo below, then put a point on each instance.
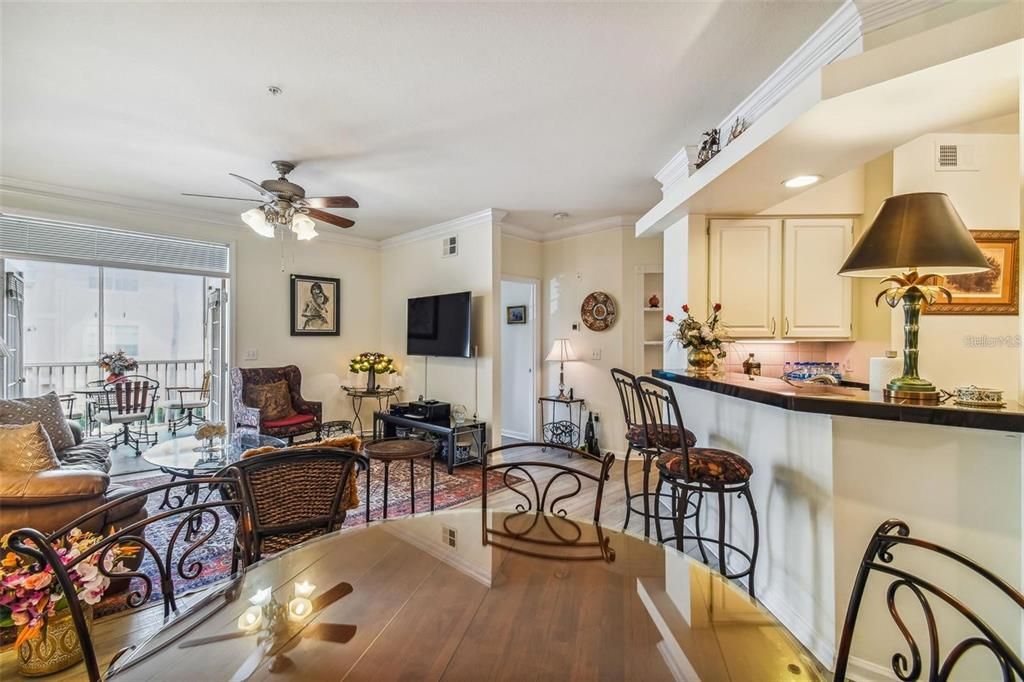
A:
(293, 420)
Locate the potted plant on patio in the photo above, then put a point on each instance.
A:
(117, 364)
(705, 341)
(32, 599)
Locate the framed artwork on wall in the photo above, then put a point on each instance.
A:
(993, 292)
(515, 314)
(316, 306)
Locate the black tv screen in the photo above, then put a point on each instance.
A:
(440, 325)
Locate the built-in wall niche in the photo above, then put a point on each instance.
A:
(650, 333)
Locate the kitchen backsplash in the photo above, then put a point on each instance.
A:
(773, 356)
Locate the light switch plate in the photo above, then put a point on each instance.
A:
(595, 354)
(252, 354)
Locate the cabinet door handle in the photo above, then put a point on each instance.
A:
(773, 327)
(786, 333)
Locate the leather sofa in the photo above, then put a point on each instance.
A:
(47, 500)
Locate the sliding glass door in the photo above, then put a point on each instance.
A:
(72, 314)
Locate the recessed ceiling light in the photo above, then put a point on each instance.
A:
(561, 215)
(801, 181)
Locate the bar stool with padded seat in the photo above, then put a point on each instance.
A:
(691, 470)
(642, 437)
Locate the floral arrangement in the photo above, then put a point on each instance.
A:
(377, 362)
(118, 363)
(30, 595)
(691, 333)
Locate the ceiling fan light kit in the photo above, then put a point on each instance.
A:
(286, 205)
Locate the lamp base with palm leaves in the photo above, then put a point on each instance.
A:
(913, 292)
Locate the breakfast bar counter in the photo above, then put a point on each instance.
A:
(830, 463)
(850, 401)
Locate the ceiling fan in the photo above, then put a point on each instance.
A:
(285, 204)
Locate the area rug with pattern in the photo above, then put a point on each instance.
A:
(211, 560)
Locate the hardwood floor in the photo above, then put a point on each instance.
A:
(113, 633)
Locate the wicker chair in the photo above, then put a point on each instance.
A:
(293, 495)
(194, 525)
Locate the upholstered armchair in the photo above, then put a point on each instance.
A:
(306, 415)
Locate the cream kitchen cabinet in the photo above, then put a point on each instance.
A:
(776, 279)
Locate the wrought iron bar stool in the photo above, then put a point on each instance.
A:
(690, 470)
(641, 437)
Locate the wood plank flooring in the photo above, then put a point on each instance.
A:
(113, 633)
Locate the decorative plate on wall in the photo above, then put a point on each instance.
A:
(598, 311)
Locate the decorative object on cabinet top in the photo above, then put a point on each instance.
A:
(598, 311)
(709, 147)
(653, 301)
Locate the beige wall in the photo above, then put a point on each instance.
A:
(416, 268)
(521, 257)
(259, 290)
(988, 198)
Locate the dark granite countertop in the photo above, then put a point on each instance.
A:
(850, 401)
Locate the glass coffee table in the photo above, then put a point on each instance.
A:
(187, 458)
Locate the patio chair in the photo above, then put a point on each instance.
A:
(186, 401)
(127, 402)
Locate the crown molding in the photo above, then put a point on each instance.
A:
(600, 225)
(484, 218)
(840, 35)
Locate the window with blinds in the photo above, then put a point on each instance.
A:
(28, 237)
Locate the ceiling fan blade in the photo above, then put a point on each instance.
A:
(331, 202)
(255, 185)
(214, 196)
(330, 218)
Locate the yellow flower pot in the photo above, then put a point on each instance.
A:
(56, 648)
(701, 361)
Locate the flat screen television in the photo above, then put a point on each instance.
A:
(440, 325)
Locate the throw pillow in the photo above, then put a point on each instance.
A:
(45, 409)
(26, 448)
(274, 401)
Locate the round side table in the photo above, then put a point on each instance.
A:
(388, 450)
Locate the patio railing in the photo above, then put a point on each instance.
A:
(64, 377)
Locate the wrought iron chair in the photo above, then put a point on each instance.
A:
(701, 472)
(194, 525)
(879, 558)
(67, 400)
(640, 437)
(545, 503)
(294, 494)
(186, 401)
(126, 402)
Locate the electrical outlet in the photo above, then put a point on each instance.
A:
(252, 354)
(448, 536)
(596, 416)
(595, 354)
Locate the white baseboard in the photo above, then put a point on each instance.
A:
(516, 435)
(862, 670)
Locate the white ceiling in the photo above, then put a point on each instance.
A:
(424, 112)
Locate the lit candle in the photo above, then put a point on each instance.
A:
(299, 609)
(260, 598)
(251, 619)
(304, 589)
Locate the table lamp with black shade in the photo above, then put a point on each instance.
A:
(922, 236)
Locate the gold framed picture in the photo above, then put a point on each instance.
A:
(993, 292)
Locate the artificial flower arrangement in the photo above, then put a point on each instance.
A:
(211, 430)
(118, 363)
(704, 340)
(31, 595)
(378, 363)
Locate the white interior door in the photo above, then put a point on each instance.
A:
(744, 275)
(817, 302)
(519, 360)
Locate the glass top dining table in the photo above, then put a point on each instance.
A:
(473, 595)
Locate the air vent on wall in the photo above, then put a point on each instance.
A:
(954, 157)
(450, 246)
